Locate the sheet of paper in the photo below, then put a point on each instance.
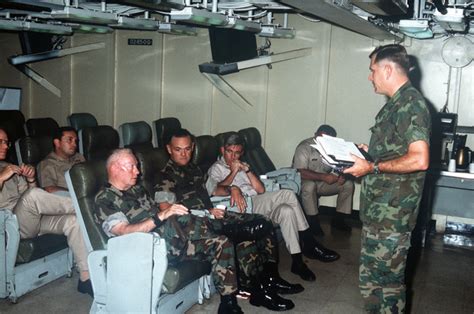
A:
(338, 148)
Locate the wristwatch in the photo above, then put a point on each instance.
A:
(376, 168)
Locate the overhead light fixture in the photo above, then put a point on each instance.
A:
(277, 32)
(84, 16)
(136, 23)
(17, 25)
(242, 25)
(453, 21)
(200, 17)
(175, 29)
(90, 28)
(415, 28)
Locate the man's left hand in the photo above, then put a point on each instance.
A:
(237, 199)
(27, 171)
(217, 212)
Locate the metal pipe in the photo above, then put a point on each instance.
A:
(103, 6)
(214, 6)
(250, 15)
(285, 20)
(269, 17)
(147, 14)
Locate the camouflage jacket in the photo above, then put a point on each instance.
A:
(183, 185)
(389, 202)
(114, 206)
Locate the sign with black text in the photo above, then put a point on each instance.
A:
(140, 42)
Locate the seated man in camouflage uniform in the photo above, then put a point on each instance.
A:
(184, 183)
(51, 170)
(125, 207)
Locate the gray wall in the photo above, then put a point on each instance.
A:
(122, 83)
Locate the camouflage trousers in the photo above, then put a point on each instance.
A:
(382, 270)
(191, 238)
(251, 255)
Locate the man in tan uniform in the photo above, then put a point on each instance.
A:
(39, 212)
(51, 170)
(317, 180)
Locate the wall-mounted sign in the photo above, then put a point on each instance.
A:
(140, 42)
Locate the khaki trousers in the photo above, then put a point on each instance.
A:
(40, 212)
(312, 190)
(283, 208)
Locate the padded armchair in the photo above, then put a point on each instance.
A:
(205, 152)
(96, 143)
(131, 273)
(82, 120)
(163, 128)
(261, 164)
(41, 126)
(136, 136)
(30, 263)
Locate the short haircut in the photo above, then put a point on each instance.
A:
(179, 133)
(326, 129)
(58, 133)
(234, 139)
(116, 154)
(394, 53)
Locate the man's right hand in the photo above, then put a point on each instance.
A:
(8, 172)
(237, 199)
(174, 209)
(331, 178)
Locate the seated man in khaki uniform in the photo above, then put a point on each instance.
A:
(317, 180)
(39, 212)
(51, 170)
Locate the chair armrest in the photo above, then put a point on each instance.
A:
(12, 233)
(288, 178)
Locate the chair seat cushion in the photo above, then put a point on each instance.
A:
(33, 249)
(183, 273)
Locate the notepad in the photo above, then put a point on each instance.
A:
(337, 151)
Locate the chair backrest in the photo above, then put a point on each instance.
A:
(163, 128)
(82, 120)
(84, 182)
(222, 137)
(136, 136)
(254, 153)
(41, 126)
(205, 152)
(13, 122)
(150, 163)
(96, 143)
(32, 149)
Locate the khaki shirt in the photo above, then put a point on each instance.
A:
(11, 190)
(307, 157)
(52, 169)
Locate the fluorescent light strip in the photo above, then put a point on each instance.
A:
(277, 32)
(16, 25)
(243, 25)
(136, 23)
(87, 16)
(175, 29)
(200, 17)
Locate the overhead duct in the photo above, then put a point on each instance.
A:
(342, 17)
(382, 7)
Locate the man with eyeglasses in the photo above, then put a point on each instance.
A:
(39, 212)
(230, 176)
(51, 170)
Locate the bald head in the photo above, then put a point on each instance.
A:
(122, 169)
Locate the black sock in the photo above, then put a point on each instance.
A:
(307, 239)
(297, 258)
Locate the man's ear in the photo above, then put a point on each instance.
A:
(222, 149)
(56, 142)
(388, 69)
(168, 148)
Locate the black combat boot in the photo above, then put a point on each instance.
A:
(253, 230)
(272, 280)
(229, 305)
(263, 296)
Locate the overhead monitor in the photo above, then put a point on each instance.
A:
(10, 98)
(231, 45)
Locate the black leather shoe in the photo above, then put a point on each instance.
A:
(229, 305)
(248, 231)
(281, 286)
(85, 287)
(321, 253)
(341, 225)
(270, 300)
(303, 271)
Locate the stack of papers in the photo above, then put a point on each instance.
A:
(337, 152)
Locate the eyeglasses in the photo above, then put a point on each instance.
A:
(5, 142)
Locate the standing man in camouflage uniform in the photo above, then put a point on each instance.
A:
(125, 207)
(182, 182)
(392, 186)
(51, 170)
